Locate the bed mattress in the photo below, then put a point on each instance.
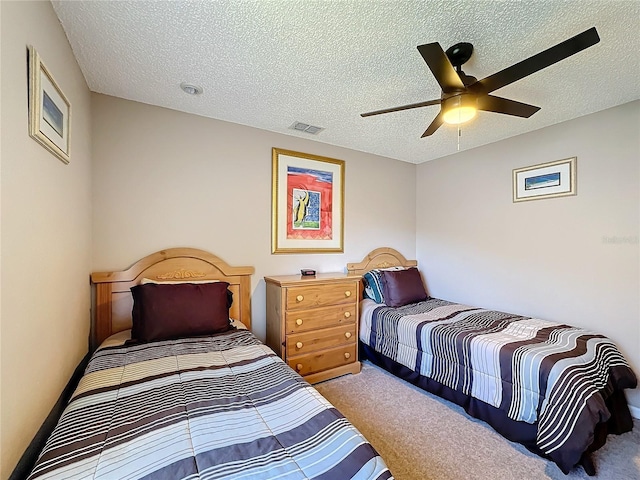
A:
(222, 406)
(551, 378)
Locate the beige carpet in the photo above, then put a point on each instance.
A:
(422, 437)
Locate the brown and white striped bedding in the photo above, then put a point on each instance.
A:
(541, 373)
(217, 407)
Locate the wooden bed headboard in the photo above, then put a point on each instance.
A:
(384, 257)
(113, 295)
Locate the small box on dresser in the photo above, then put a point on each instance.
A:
(312, 323)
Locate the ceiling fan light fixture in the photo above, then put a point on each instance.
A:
(459, 109)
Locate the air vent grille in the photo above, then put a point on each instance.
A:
(306, 128)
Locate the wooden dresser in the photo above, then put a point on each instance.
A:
(312, 323)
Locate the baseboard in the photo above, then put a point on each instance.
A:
(635, 412)
(31, 454)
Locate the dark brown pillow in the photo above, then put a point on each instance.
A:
(166, 311)
(402, 287)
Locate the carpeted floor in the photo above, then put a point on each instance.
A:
(422, 437)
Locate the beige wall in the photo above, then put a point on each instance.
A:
(167, 179)
(46, 233)
(572, 259)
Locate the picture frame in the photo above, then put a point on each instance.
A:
(49, 109)
(307, 203)
(546, 180)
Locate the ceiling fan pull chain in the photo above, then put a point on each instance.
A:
(459, 135)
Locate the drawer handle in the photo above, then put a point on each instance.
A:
(299, 345)
(298, 367)
(348, 334)
(347, 293)
(299, 298)
(347, 314)
(347, 355)
(299, 322)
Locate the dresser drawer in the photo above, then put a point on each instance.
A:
(301, 343)
(323, 360)
(312, 296)
(304, 320)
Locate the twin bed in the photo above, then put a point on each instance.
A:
(196, 395)
(207, 405)
(556, 389)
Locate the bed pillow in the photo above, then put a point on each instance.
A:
(144, 281)
(169, 311)
(402, 287)
(373, 286)
(373, 283)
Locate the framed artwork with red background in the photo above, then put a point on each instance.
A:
(307, 203)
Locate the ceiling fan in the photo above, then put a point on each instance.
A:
(463, 95)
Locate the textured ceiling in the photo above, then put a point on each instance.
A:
(267, 63)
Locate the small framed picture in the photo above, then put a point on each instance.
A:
(49, 109)
(307, 204)
(547, 180)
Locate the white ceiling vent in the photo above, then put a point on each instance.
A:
(305, 127)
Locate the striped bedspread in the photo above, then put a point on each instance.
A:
(534, 370)
(203, 408)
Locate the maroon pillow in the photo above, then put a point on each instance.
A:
(402, 287)
(166, 311)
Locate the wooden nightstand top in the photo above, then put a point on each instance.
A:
(295, 280)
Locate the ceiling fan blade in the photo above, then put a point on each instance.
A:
(491, 103)
(441, 67)
(435, 124)
(537, 62)
(403, 107)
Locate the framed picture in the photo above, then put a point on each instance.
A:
(49, 109)
(307, 203)
(547, 180)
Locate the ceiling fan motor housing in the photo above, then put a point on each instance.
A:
(459, 54)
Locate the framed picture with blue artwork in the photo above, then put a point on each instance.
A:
(547, 180)
(307, 203)
(49, 109)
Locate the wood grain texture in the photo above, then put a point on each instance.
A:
(383, 257)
